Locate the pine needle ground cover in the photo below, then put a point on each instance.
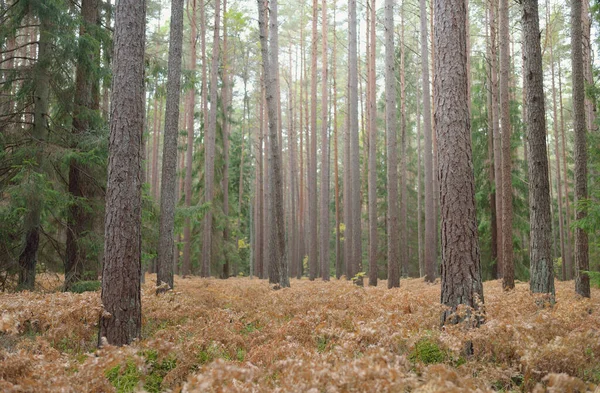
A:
(238, 335)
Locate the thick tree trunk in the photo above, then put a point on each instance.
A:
(372, 126)
(278, 266)
(324, 246)
(121, 319)
(209, 148)
(78, 220)
(430, 216)
(508, 268)
(166, 244)
(582, 262)
(393, 231)
(542, 273)
(461, 272)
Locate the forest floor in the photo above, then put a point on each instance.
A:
(238, 335)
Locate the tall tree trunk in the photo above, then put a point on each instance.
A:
(497, 136)
(393, 241)
(313, 248)
(404, 257)
(372, 126)
(542, 271)
(324, 246)
(355, 260)
(302, 190)
(155, 143)
(565, 253)
(191, 109)
(588, 77)
(278, 268)
(491, 166)
(78, 220)
(569, 232)
(430, 216)
(339, 268)
(259, 236)
(121, 318)
(419, 188)
(582, 262)
(209, 148)
(204, 78)
(508, 268)
(293, 169)
(227, 91)
(461, 271)
(166, 245)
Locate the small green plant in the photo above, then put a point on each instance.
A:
(322, 342)
(212, 352)
(86, 286)
(427, 352)
(124, 379)
(250, 327)
(157, 371)
(359, 276)
(240, 354)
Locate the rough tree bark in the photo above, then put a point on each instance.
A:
(278, 265)
(582, 262)
(542, 272)
(166, 243)
(461, 272)
(121, 320)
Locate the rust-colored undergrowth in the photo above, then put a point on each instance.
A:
(238, 335)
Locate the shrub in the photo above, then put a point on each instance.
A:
(86, 286)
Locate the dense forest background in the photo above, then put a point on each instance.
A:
(53, 178)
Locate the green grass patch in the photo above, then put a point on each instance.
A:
(157, 371)
(427, 352)
(125, 378)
